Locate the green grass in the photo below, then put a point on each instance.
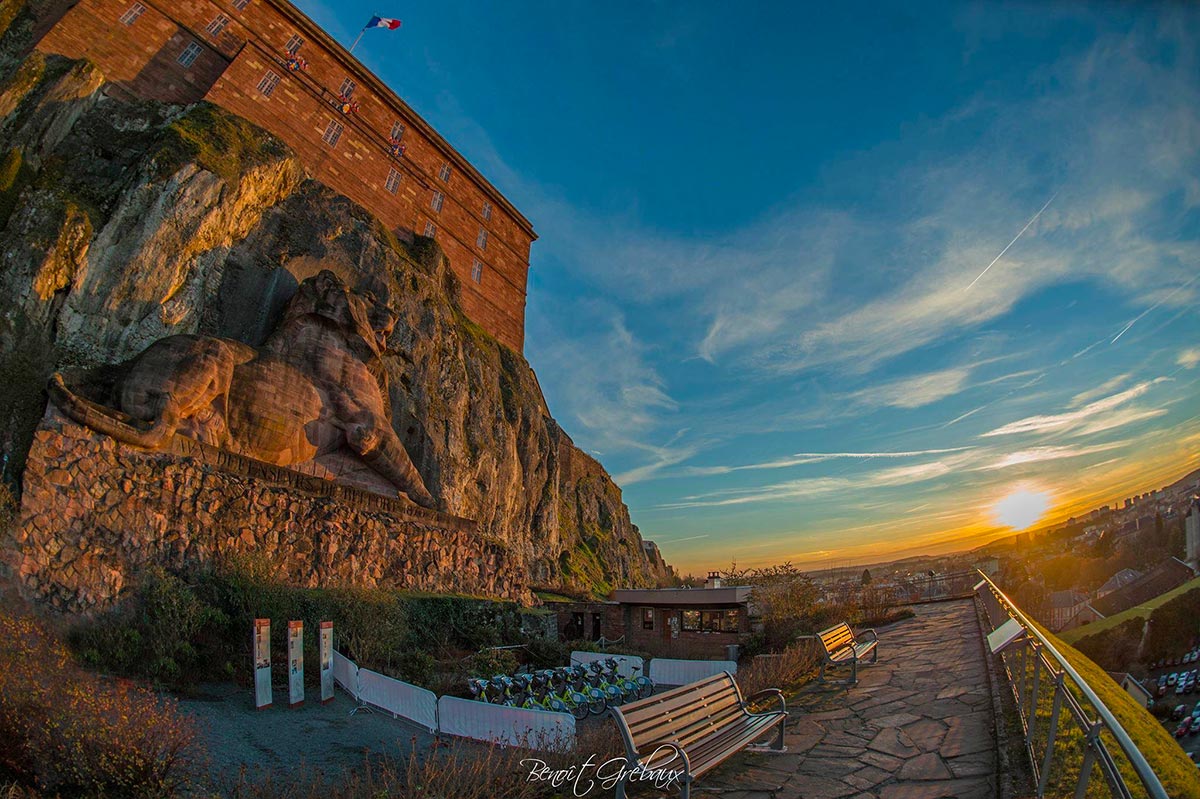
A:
(1137, 612)
(218, 141)
(1168, 760)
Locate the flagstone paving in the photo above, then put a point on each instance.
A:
(918, 725)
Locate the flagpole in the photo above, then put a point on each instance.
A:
(360, 35)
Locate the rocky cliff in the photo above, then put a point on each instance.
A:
(124, 221)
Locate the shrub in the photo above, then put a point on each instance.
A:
(786, 671)
(545, 653)
(67, 732)
(487, 662)
(416, 667)
(164, 632)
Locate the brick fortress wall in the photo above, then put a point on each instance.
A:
(241, 64)
(95, 512)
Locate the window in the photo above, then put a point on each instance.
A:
(711, 621)
(481, 239)
(729, 622)
(477, 271)
(347, 88)
(132, 13)
(392, 183)
(240, 5)
(436, 203)
(444, 173)
(647, 614)
(487, 210)
(397, 131)
(430, 230)
(189, 54)
(333, 132)
(293, 45)
(268, 83)
(218, 24)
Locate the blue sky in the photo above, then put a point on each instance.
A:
(767, 293)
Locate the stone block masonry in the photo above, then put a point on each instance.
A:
(95, 512)
(237, 54)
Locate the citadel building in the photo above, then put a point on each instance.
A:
(266, 61)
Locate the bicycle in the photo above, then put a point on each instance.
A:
(576, 677)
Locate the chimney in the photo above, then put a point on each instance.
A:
(713, 581)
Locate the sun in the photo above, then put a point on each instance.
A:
(1021, 507)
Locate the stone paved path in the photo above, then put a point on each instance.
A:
(918, 725)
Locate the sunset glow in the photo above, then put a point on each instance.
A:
(1021, 508)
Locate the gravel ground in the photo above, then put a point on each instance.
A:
(278, 741)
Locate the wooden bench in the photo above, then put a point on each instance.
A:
(842, 647)
(694, 728)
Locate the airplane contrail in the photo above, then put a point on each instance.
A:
(1139, 317)
(1014, 241)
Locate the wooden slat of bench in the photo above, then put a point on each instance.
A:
(717, 748)
(679, 727)
(836, 638)
(673, 699)
(702, 706)
(698, 730)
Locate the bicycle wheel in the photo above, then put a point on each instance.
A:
(579, 708)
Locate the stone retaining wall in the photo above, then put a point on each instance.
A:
(95, 511)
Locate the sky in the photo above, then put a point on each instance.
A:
(827, 283)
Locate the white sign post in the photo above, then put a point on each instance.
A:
(326, 648)
(262, 663)
(295, 663)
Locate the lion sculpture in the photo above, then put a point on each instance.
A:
(312, 388)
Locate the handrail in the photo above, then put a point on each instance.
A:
(1105, 716)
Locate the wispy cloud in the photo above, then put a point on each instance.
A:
(802, 458)
(917, 391)
(1040, 454)
(1189, 358)
(1096, 416)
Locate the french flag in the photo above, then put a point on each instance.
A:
(384, 22)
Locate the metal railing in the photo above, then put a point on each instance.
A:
(1030, 654)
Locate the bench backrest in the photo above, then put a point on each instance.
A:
(837, 637)
(683, 715)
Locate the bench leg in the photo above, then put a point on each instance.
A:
(685, 791)
(875, 654)
(620, 789)
(854, 671)
(778, 745)
(821, 674)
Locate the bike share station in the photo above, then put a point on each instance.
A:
(535, 709)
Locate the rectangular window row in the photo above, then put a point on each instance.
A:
(268, 83)
(217, 25)
(132, 13)
(190, 54)
(392, 183)
(293, 45)
(240, 5)
(438, 200)
(430, 230)
(477, 271)
(333, 132)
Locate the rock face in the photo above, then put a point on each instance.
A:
(95, 512)
(122, 223)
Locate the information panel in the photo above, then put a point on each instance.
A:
(262, 663)
(295, 663)
(326, 649)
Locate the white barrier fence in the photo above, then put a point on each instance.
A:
(537, 729)
(345, 673)
(399, 698)
(664, 671)
(625, 663)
